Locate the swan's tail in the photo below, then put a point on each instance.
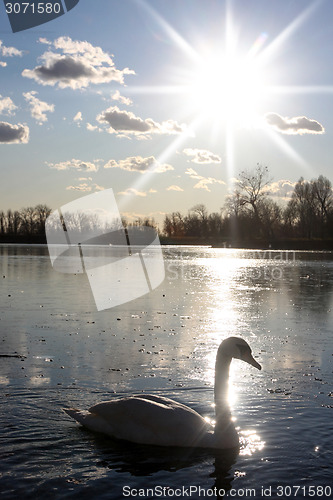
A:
(78, 415)
(90, 420)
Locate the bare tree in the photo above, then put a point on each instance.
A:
(322, 189)
(28, 220)
(301, 209)
(201, 211)
(251, 192)
(2, 222)
(41, 214)
(252, 186)
(271, 216)
(174, 225)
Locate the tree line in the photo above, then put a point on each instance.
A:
(250, 215)
(27, 224)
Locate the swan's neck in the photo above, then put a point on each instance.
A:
(221, 387)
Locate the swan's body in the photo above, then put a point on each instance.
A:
(156, 420)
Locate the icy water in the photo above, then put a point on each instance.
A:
(57, 351)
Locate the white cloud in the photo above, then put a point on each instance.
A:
(13, 134)
(7, 107)
(78, 117)
(93, 128)
(132, 192)
(202, 156)
(174, 187)
(140, 164)
(125, 123)
(281, 189)
(124, 100)
(44, 40)
(76, 65)
(38, 108)
(74, 164)
(297, 125)
(85, 186)
(203, 182)
(8, 52)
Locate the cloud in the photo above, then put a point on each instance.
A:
(44, 40)
(7, 107)
(76, 65)
(93, 128)
(132, 192)
(294, 126)
(85, 186)
(139, 164)
(13, 134)
(38, 108)
(78, 117)
(174, 188)
(74, 164)
(203, 182)
(125, 123)
(202, 156)
(280, 189)
(8, 52)
(124, 100)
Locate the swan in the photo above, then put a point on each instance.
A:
(157, 420)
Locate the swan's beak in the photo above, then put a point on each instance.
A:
(250, 359)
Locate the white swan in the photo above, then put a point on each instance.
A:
(156, 420)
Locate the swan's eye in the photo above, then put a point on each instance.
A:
(244, 349)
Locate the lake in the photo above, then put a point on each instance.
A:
(58, 351)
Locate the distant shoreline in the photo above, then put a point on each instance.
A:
(255, 244)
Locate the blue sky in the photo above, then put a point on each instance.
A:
(165, 102)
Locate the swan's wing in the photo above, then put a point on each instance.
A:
(152, 420)
(165, 401)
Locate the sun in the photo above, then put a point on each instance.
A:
(230, 89)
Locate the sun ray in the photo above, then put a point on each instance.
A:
(287, 149)
(169, 30)
(230, 155)
(276, 44)
(165, 156)
(300, 89)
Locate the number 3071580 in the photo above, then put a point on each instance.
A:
(33, 8)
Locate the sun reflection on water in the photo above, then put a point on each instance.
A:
(250, 442)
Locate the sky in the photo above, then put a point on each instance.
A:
(165, 102)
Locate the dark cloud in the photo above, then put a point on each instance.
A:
(65, 68)
(297, 125)
(125, 123)
(10, 134)
(77, 65)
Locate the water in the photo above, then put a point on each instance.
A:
(57, 351)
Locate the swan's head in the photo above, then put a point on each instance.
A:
(235, 347)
